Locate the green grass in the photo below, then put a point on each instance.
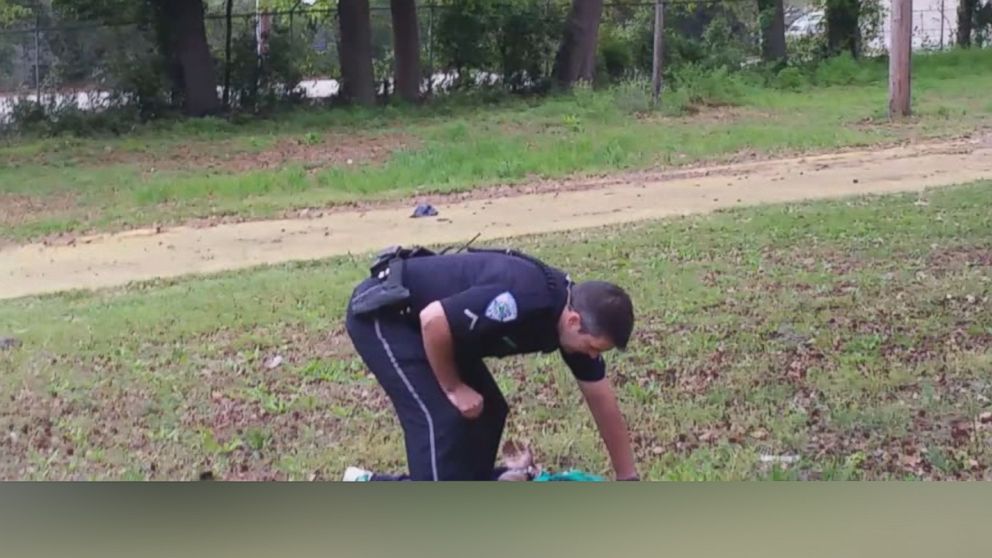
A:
(79, 185)
(856, 334)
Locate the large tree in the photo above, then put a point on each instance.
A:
(184, 36)
(576, 58)
(966, 20)
(181, 37)
(406, 49)
(355, 52)
(843, 17)
(772, 18)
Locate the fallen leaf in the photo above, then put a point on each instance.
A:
(911, 461)
(961, 430)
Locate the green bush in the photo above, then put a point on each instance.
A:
(701, 86)
(843, 69)
(462, 39)
(806, 51)
(791, 78)
(52, 117)
(516, 40)
(137, 77)
(525, 38)
(723, 47)
(675, 102)
(708, 36)
(263, 87)
(27, 116)
(633, 96)
(616, 54)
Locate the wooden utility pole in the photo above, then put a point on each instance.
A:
(659, 30)
(37, 59)
(900, 54)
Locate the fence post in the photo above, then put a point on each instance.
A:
(37, 58)
(257, 71)
(941, 25)
(659, 27)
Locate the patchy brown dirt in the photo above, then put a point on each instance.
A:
(236, 426)
(324, 150)
(707, 114)
(312, 151)
(16, 209)
(959, 257)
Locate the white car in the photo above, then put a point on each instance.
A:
(807, 24)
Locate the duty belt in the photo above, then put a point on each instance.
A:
(389, 291)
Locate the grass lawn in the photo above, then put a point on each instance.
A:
(172, 172)
(855, 334)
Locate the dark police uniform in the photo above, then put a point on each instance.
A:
(497, 303)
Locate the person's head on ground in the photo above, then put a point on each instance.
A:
(598, 318)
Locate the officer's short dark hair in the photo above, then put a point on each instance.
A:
(606, 311)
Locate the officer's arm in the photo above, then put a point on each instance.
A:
(439, 346)
(605, 410)
(464, 318)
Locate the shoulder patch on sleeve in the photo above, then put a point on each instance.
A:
(503, 308)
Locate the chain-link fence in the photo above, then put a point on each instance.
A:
(512, 46)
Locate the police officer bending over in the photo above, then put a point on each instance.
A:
(423, 322)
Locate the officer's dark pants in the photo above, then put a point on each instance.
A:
(440, 443)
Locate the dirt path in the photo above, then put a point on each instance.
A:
(116, 259)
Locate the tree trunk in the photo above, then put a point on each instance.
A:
(773, 30)
(263, 33)
(406, 49)
(966, 17)
(187, 42)
(357, 78)
(842, 26)
(576, 58)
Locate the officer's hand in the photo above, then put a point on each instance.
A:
(466, 400)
